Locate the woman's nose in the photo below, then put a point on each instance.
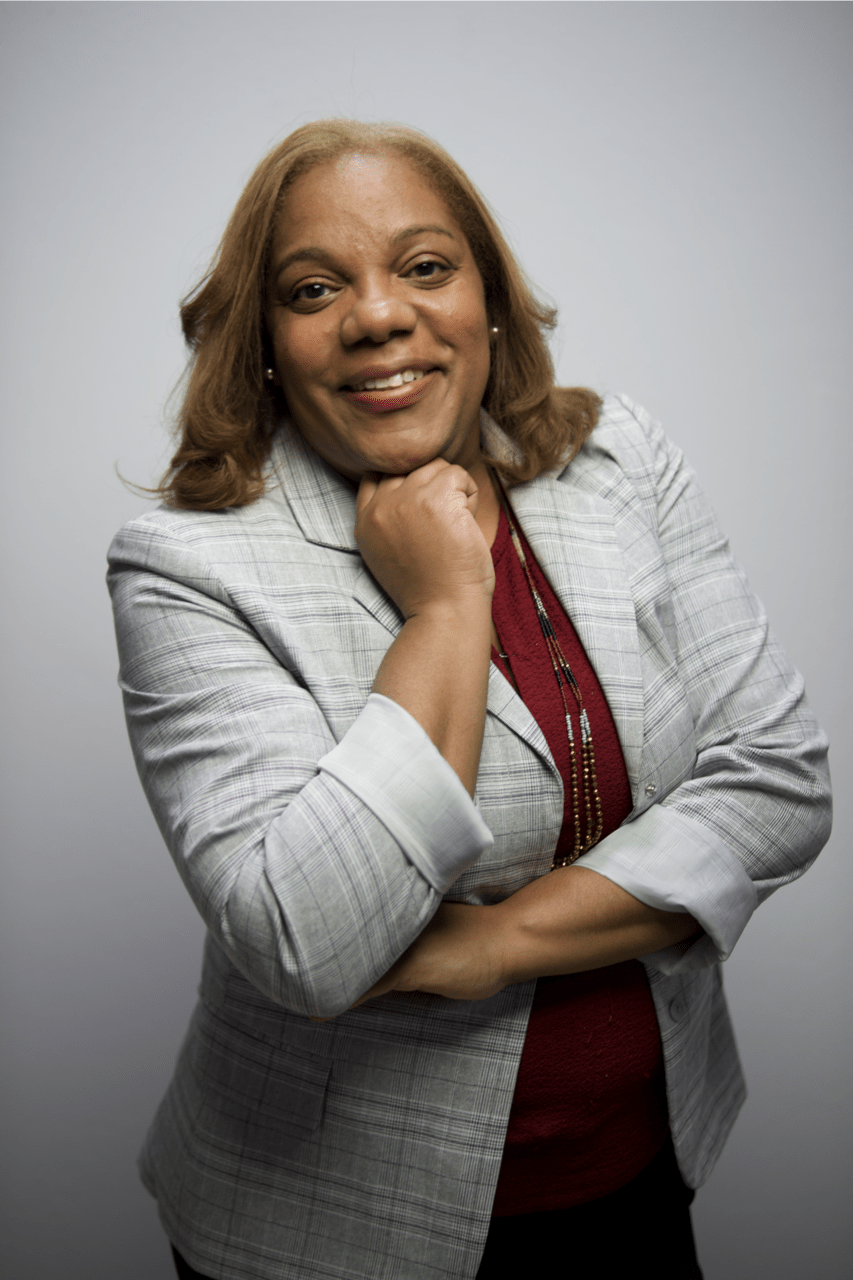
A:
(377, 313)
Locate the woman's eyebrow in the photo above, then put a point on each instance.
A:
(408, 232)
(310, 254)
(313, 253)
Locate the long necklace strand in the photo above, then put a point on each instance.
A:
(588, 787)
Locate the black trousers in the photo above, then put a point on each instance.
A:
(643, 1227)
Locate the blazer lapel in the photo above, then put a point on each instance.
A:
(323, 505)
(573, 535)
(322, 501)
(505, 705)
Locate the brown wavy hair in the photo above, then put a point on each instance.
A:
(229, 410)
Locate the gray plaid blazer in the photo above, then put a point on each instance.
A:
(317, 829)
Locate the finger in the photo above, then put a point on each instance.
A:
(425, 474)
(471, 493)
(468, 485)
(367, 487)
(465, 480)
(463, 486)
(391, 482)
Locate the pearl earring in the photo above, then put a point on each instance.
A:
(494, 331)
(269, 374)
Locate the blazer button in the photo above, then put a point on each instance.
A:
(651, 788)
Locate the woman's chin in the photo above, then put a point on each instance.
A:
(399, 460)
(395, 448)
(402, 465)
(402, 457)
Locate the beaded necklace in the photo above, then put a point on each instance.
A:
(585, 788)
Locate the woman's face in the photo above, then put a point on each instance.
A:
(372, 280)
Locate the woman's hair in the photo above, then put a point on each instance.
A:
(229, 410)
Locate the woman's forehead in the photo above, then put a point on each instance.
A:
(362, 194)
(362, 174)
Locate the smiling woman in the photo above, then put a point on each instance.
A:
(367, 259)
(469, 741)
(230, 411)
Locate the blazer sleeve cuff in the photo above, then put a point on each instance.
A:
(391, 764)
(674, 863)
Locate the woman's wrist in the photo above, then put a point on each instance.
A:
(466, 609)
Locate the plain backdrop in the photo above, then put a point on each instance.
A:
(677, 178)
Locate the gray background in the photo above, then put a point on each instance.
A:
(678, 179)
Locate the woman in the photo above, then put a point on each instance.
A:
(436, 691)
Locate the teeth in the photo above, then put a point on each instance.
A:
(396, 380)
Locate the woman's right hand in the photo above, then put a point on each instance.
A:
(419, 536)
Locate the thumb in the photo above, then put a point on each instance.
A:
(367, 487)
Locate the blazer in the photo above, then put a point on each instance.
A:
(317, 829)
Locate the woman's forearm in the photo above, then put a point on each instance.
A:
(419, 535)
(437, 669)
(575, 919)
(566, 922)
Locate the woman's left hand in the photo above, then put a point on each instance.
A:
(456, 956)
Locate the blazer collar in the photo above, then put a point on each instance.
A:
(322, 501)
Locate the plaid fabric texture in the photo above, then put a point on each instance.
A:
(316, 829)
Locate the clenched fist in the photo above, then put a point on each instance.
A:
(419, 537)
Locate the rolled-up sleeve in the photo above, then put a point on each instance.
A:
(673, 863)
(315, 855)
(755, 810)
(390, 763)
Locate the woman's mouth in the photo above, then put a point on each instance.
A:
(396, 391)
(395, 380)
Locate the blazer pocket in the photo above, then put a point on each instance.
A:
(265, 1096)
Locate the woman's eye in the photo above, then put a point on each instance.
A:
(429, 270)
(314, 291)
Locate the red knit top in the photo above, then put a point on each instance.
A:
(589, 1110)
